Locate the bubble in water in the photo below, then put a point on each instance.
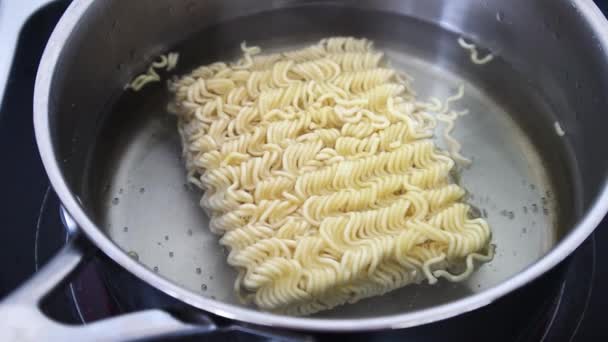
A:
(121, 190)
(170, 254)
(500, 16)
(524, 230)
(166, 237)
(125, 229)
(142, 190)
(198, 270)
(534, 207)
(156, 269)
(213, 297)
(190, 232)
(475, 212)
(133, 255)
(115, 201)
(204, 287)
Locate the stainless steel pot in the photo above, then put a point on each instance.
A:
(545, 193)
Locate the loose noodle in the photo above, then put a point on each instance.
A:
(558, 129)
(167, 62)
(321, 176)
(474, 54)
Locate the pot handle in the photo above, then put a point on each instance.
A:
(23, 320)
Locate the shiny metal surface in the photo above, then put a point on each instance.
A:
(95, 158)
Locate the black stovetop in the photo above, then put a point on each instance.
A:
(565, 304)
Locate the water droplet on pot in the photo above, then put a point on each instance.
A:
(198, 270)
(156, 269)
(115, 201)
(500, 16)
(170, 254)
(125, 229)
(133, 255)
(204, 287)
(142, 190)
